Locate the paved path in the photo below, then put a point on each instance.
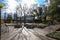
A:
(25, 34)
(52, 28)
(41, 34)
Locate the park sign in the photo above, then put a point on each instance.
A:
(1, 5)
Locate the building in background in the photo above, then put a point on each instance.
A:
(15, 16)
(5, 16)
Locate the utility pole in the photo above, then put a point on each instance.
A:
(0, 10)
(0, 14)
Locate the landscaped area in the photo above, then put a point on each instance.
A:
(55, 35)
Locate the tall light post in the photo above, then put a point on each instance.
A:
(0, 13)
(33, 15)
(0, 10)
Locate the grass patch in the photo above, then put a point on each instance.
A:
(55, 35)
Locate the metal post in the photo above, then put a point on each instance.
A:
(0, 13)
(0, 19)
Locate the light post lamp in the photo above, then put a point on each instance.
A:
(1, 5)
(33, 15)
(0, 13)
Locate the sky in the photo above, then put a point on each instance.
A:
(39, 1)
(12, 4)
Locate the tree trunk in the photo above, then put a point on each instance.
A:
(45, 19)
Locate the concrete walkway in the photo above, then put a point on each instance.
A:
(28, 34)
